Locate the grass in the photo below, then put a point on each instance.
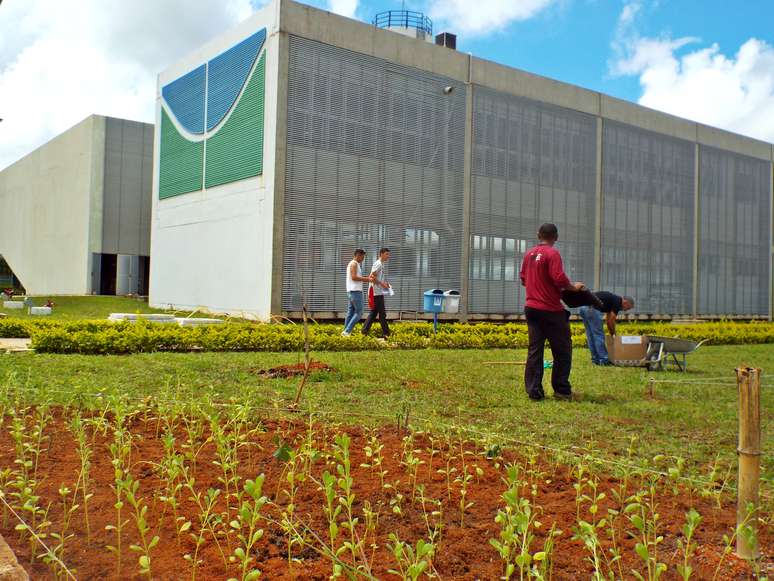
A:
(88, 307)
(694, 421)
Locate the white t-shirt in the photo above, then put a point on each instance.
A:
(354, 285)
(378, 270)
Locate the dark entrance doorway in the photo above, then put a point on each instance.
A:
(107, 274)
(144, 275)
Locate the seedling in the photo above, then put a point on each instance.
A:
(641, 512)
(246, 523)
(686, 544)
(517, 522)
(140, 514)
(413, 562)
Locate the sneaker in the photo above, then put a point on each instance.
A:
(345, 334)
(563, 396)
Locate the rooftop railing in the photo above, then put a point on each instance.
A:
(403, 19)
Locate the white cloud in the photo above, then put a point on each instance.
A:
(344, 7)
(732, 92)
(484, 16)
(60, 62)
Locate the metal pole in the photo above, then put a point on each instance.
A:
(467, 196)
(771, 240)
(696, 232)
(749, 451)
(598, 210)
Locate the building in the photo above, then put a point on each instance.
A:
(300, 135)
(75, 213)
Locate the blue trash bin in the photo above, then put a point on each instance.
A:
(434, 300)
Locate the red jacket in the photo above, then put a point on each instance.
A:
(543, 275)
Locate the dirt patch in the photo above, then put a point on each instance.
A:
(411, 384)
(286, 371)
(463, 550)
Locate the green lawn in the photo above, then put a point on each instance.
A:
(86, 307)
(695, 421)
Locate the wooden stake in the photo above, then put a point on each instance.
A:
(307, 361)
(749, 451)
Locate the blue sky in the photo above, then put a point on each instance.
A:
(679, 56)
(572, 40)
(707, 60)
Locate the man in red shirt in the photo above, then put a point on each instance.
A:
(543, 276)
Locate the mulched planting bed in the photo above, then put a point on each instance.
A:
(433, 466)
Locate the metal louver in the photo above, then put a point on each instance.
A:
(734, 234)
(532, 163)
(374, 158)
(648, 215)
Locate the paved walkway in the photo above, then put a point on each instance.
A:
(15, 344)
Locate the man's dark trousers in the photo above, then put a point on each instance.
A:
(377, 310)
(554, 326)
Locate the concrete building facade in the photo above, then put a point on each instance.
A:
(305, 135)
(75, 213)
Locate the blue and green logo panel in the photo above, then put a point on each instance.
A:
(220, 108)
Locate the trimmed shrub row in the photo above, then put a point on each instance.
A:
(102, 337)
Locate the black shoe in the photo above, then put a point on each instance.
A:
(537, 397)
(563, 396)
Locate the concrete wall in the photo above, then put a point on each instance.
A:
(46, 227)
(212, 249)
(126, 204)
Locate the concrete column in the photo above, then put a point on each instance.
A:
(598, 211)
(771, 243)
(696, 229)
(96, 197)
(280, 159)
(467, 192)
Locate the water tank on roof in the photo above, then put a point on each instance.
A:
(406, 22)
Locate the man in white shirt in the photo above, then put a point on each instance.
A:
(379, 285)
(355, 280)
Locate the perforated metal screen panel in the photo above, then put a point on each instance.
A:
(735, 213)
(533, 163)
(126, 203)
(647, 224)
(374, 158)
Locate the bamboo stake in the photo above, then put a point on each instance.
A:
(307, 360)
(749, 451)
(546, 363)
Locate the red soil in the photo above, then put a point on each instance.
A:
(284, 371)
(462, 554)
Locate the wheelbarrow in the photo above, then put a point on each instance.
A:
(665, 351)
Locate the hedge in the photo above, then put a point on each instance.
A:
(103, 337)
